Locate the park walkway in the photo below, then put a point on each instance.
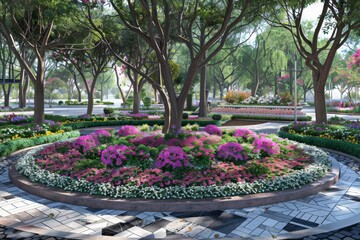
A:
(331, 214)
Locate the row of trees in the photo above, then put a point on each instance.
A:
(144, 38)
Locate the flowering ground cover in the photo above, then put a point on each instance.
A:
(193, 164)
(14, 132)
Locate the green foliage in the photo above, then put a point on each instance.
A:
(337, 145)
(87, 124)
(256, 169)
(12, 146)
(147, 102)
(185, 115)
(216, 117)
(109, 110)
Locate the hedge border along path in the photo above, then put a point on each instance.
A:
(337, 145)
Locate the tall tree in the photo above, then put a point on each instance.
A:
(42, 26)
(166, 20)
(337, 18)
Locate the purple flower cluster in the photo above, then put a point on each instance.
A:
(19, 119)
(102, 133)
(266, 145)
(114, 155)
(151, 140)
(127, 130)
(213, 130)
(138, 115)
(86, 143)
(172, 157)
(244, 133)
(232, 151)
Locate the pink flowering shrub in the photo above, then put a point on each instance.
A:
(127, 130)
(213, 130)
(232, 152)
(172, 157)
(115, 155)
(86, 144)
(148, 139)
(102, 133)
(244, 133)
(266, 146)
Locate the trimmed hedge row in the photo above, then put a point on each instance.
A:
(338, 145)
(12, 146)
(78, 125)
(278, 118)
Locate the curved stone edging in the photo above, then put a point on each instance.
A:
(174, 205)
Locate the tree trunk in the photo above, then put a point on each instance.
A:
(90, 105)
(255, 86)
(319, 96)
(221, 92)
(21, 86)
(39, 93)
(6, 94)
(78, 90)
(136, 103)
(203, 95)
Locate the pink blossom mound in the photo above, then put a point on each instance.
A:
(102, 133)
(114, 155)
(213, 130)
(244, 133)
(172, 157)
(232, 151)
(127, 130)
(266, 145)
(86, 143)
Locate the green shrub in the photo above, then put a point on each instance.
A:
(185, 115)
(147, 102)
(87, 124)
(109, 110)
(60, 102)
(337, 145)
(216, 117)
(12, 146)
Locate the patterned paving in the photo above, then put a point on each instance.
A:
(336, 204)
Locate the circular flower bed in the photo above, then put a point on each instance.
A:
(189, 165)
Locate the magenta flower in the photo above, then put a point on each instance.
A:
(115, 155)
(244, 133)
(266, 146)
(102, 133)
(213, 130)
(127, 130)
(86, 143)
(172, 157)
(231, 151)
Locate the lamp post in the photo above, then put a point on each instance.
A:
(295, 70)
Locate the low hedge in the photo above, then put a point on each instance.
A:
(12, 146)
(338, 145)
(78, 125)
(276, 118)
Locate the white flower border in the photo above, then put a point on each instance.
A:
(322, 164)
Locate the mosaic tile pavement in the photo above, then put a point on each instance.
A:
(340, 202)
